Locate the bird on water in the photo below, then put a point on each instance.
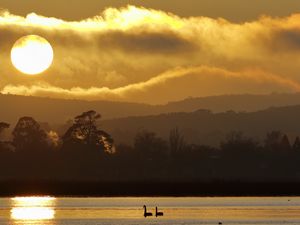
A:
(158, 213)
(146, 214)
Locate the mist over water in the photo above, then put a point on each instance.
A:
(129, 211)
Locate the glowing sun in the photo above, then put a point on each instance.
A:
(32, 55)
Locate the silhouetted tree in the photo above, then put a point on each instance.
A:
(296, 145)
(149, 145)
(285, 143)
(176, 141)
(238, 158)
(28, 135)
(84, 133)
(3, 145)
(3, 126)
(273, 140)
(236, 142)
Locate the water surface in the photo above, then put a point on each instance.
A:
(129, 211)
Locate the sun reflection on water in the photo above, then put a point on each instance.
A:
(33, 208)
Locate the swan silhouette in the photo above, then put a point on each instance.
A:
(146, 214)
(158, 213)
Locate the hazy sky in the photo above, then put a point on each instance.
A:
(145, 54)
(235, 10)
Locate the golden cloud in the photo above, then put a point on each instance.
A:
(123, 54)
(178, 82)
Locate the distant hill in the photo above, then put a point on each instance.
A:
(59, 110)
(245, 102)
(205, 127)
(56, 111)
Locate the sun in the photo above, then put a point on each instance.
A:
(32, 55)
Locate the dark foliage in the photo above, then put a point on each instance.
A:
(85, 135)
(150, 146)
(3, 126)
(4, 146)
(87, 153)
(28, 135)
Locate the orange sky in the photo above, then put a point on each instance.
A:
(148, 55)
(234, 10)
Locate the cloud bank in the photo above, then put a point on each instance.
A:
(144, 55)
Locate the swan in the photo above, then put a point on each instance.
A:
(158, 213)
(146, 213)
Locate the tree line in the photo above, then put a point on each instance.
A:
(86, 152)
(28, 136)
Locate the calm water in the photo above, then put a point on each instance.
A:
(128, 211)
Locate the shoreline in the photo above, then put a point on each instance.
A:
(149, 189)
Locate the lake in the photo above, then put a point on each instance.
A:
(129, 211)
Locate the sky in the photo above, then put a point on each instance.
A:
(154, 51)
(233, 10)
